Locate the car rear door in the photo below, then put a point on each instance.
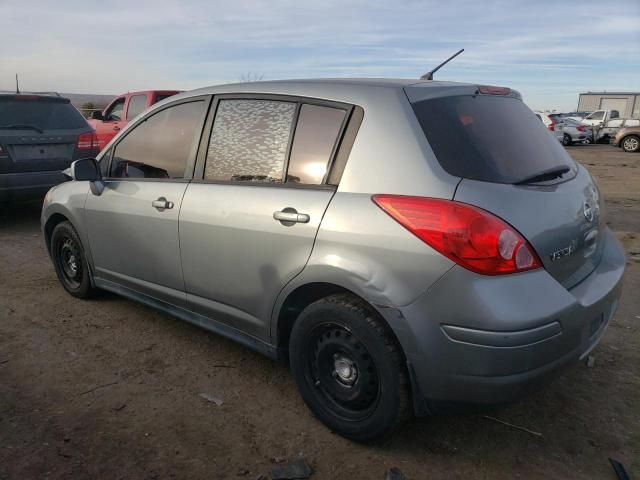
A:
(133, 223)
(250, 216)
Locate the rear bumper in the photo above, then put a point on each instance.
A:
(473, 339)
(28, 185)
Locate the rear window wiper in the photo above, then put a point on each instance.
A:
(549, 174)
(21, 126)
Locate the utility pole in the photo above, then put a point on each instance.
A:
(17, 86)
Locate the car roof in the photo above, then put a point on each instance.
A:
(363, 82)
(141, 92)
(358, 91)
(314, 86)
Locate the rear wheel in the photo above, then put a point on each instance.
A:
(631, 143)
(566, 140)
(349, 368)
(70, 261)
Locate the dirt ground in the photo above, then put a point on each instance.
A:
(109, 389)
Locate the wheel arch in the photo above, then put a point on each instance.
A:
(51, 223)
(56, 213)
(305, 294)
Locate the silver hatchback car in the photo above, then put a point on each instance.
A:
(383, 236)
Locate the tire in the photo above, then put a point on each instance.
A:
(70, 262)
(566, 140)
(349, 368)
(630, 143)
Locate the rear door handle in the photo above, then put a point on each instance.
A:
(288, 216)
(116, 128)
(162, 204)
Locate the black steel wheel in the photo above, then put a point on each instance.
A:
(349, 368)
(343, 371)
(69, 261)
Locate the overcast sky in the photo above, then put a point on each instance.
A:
(549, 50)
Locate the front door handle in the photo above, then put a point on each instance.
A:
(288, 216)
(116, 128)
(162, 204)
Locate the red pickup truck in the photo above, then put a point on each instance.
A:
(122, 110)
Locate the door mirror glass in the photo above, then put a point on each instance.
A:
(97, 115)
(85, 169)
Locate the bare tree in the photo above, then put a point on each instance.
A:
(251, 77)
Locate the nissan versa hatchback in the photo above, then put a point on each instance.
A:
(405, 245)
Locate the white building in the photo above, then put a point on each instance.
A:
(626, 103)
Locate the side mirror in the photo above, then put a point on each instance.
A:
(97, 115)
(84, 169)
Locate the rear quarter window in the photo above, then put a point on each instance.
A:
(489, 138)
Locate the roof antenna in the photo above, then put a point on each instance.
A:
(429, 75)
(17, 87)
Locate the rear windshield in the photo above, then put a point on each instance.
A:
(489, 138)
(42, 113)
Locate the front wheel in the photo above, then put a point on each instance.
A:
(349, 368)
(631, 143)
(566, 140)
(70, 261)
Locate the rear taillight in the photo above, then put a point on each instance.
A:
(87, 141)
(552, 126)
(580, 128)
(470, 236)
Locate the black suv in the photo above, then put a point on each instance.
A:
(40, 135)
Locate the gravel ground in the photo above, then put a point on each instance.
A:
(111, 389)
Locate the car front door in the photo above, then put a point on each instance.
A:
(111, 123)
(133, 223)
(250, 216)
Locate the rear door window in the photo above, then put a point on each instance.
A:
(40, 112)
(137, 104)
(489, 138)
(250, 140)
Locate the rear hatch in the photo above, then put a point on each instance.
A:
(41, 133)
(511, 166)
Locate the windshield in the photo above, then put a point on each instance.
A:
(43, 114)
(489, 138)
